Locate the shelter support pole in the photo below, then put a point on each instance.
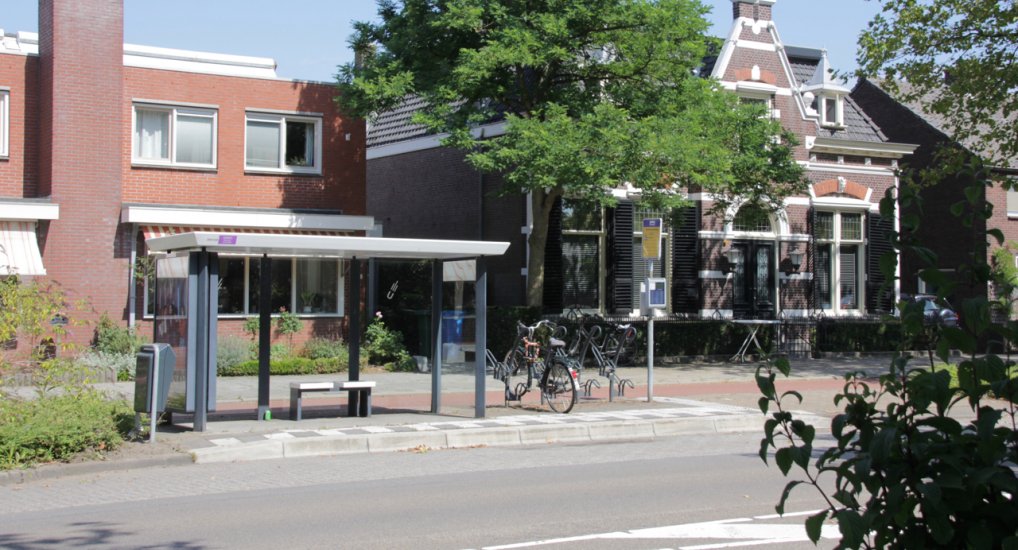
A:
(354, 368)
(204, 316)
(264, 333)
(354, 339)
(481, 335)
(436, 336)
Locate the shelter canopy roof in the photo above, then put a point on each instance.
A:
(325, 246)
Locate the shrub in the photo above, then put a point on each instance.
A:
(291, 365)
(321, 348)
(57, 427)
(252, 325)
(110, 337)
(382, 344)
(231, 350)
(288, 324)
(122, 365)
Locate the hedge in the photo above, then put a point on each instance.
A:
(291, 365)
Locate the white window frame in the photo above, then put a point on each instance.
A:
(601, 235)
(282, 118)
(174, 110)
(252, 309)
(836, 241)
(765, 97)
(5, 124)
(839, 111)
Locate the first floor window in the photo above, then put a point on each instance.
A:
(174, 136)
(4, 124)
(288, 143)
(839, 260)
(581, 269)
(299, 285)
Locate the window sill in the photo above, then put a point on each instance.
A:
(184, 167)
(280, 172)
(243, 317)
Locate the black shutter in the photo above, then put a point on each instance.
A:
(620, 257)
(879, 299)
(553, 260)
(811, 261)
(686, 259)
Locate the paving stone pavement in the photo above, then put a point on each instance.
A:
(688, 398)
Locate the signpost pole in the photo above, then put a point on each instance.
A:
(650, 338)
(651, 251)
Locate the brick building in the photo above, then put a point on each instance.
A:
(103, 144)
(947, 235)
(820, 255)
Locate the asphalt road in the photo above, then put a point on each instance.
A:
(692, 492)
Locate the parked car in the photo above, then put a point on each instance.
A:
(936, 311)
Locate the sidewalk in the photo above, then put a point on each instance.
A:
(688, 398)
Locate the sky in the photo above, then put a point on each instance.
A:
(308, 38)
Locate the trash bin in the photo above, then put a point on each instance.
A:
(152, 377)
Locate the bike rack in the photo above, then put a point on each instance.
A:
(588, 385)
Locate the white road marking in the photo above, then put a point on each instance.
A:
(739, 531)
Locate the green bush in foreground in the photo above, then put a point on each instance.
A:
(57, 427)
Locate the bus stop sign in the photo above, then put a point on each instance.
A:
(652, 238)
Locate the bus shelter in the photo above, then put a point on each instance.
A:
(187, 296)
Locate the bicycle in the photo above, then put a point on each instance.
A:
(556, 378)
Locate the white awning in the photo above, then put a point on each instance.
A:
(19, 249)
(326, 246)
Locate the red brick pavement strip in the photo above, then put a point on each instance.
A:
(633, 397)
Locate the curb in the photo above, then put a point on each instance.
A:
(57, 470)
(594, 432)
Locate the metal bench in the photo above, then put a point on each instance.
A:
(358, 395)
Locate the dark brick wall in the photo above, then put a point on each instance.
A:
(435, 194)
(939, 229)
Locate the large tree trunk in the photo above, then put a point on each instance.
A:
(541, 202)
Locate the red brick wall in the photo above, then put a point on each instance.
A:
(341, 185)
(752, 11)
(19, 173)
(80, 57)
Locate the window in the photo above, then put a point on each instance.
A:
(303, 286)
(582, 243)
(752, 217)
(839, 264)
(174, 136)
(283, 143)
(831, 110)
(4, 124)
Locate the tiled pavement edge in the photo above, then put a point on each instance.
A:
(671, 415)
(684, 417)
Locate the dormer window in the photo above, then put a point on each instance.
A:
(832, 111)
(825, 96)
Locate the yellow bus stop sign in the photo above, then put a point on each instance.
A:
(652, 238)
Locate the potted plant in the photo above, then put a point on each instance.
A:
(307, 300)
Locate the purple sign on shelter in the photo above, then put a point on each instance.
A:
(227, 239)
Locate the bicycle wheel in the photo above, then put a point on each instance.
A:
(559, 388)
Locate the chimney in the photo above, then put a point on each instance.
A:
(757, 10)
(81, 99)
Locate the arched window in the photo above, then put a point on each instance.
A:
(752, 217)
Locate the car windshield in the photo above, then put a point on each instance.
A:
(928, 305)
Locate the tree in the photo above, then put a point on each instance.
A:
(956, 58)
(594, 94)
